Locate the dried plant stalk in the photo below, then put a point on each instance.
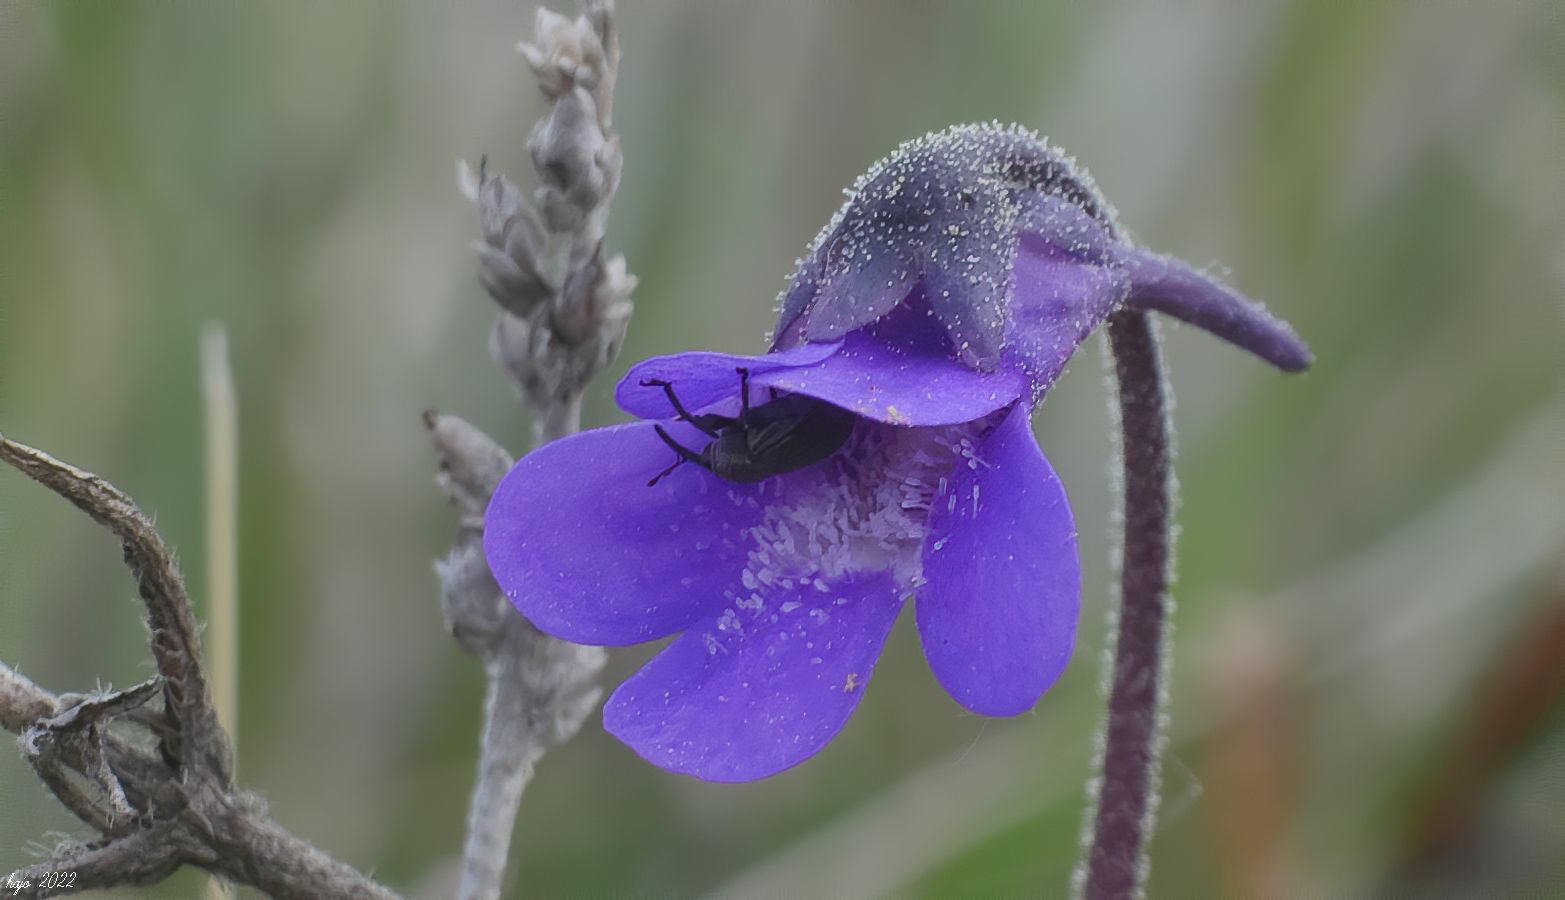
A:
(564, 309)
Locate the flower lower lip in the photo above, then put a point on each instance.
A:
(783, 591)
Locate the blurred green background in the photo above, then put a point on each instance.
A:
(1367, 687)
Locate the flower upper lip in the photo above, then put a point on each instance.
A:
(902, 232)
(860, 373)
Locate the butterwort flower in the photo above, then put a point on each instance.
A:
(775, 512)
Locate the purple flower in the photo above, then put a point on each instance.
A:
(937, 308)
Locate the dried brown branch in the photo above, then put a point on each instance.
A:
(149, 768)
(145, 857)
(21, 701)
(175, 640)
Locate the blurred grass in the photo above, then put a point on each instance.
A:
(1386, 175)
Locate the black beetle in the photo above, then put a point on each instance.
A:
(784, 434)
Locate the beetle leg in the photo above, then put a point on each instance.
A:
(685, 453)
(744, 393)
(673, 398)
(707, 423)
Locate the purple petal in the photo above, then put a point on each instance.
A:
(703, 377)
(967, 280)
(803, 286)
(1058, 301)
(862, 291)
(1066, 227)
(917, 385)
(751, 692)
(998, 611)
(898, 371)
(587, 551)
(1167, 285)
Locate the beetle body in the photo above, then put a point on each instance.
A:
(784, 434)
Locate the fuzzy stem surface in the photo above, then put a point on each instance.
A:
(1126, 804)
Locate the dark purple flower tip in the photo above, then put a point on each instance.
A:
(1168, 285)
(1011, 249)
(782, 591)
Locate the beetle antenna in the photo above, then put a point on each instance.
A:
(659, 477)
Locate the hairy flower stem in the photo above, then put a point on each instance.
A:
(1126, 804)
